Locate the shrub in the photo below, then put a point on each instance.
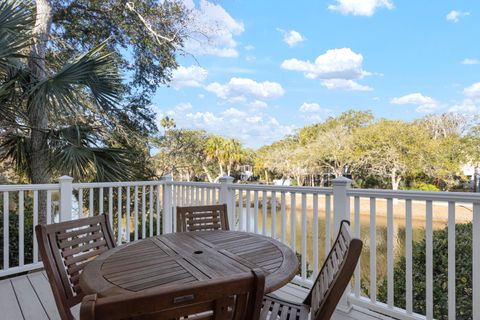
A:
(463, 267)
(423, 186)
(13, 228)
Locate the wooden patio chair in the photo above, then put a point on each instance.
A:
(65, 248)
(202, 218)
(236, 298)
(327, 289)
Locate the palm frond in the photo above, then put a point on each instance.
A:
(14, 146)
(12, 96)
(95, 70)
(16, 21)
(15, 15)
(75, 153)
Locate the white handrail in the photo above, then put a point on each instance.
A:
(147, 208)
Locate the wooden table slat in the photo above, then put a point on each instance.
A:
(188, 257)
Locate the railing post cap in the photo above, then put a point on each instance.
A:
(167, 177)
(341, 181)
(225, 179)
(65, 179)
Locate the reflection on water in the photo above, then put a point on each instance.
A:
(418, 233)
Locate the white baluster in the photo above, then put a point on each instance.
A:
(429, 261)
(127, 218)
(6, 231)
(21, 227)
(390, 283)
(119, 216)
(373, 251)
(284, 218)
(451, 262)
(356, 210)
(274, 215)
(304, 237)
(135, 215)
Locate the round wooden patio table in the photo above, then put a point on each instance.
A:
(186, 257)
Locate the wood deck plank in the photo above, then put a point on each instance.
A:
(35, 289)
(44, 292)
(8, 302)
(28, 300)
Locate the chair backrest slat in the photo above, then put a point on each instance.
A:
(202, 218)
(65, 249)
(334, 275)
(232, 298)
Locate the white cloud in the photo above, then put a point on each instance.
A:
(425, 104)
(472, 91)
(237, 70)
(184, 106)
(343, 84)
(413, 98)
(467, 106)
(309, 107)
(312, 112)
(427, 108)
(179, 109)
(254, 129)
(249, 47)
(454, 15)
(376, 98)
(212, 30)
(333, 64)
(191, 76)
(360, 7)
(469, 61)
(338, 68)
(239, 89)
(471, 104)
(257, 104)
(292, 37)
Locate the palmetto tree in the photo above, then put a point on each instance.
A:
(226, 152)
(55, 122)
(215, 150)
(234, 153)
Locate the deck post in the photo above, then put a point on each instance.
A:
(66, 189)
(341, 203)
(225, 197)
(167, 204)
(341, 211)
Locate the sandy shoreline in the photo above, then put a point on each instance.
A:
(463, 212)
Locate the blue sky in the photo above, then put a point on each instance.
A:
(270, 67)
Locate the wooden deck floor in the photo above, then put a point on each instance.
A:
(29, 297)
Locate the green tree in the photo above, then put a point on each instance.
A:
(55, 117)
(214, 149)
(182, 153)
(234, 154)
(349, 120)
(391, 149)
(332, 150)
(225, 152)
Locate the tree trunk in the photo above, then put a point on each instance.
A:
(395, 180)
(37, 114)
(209, 177)
(222, 172)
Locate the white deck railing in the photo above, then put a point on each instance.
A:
(305, 218)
